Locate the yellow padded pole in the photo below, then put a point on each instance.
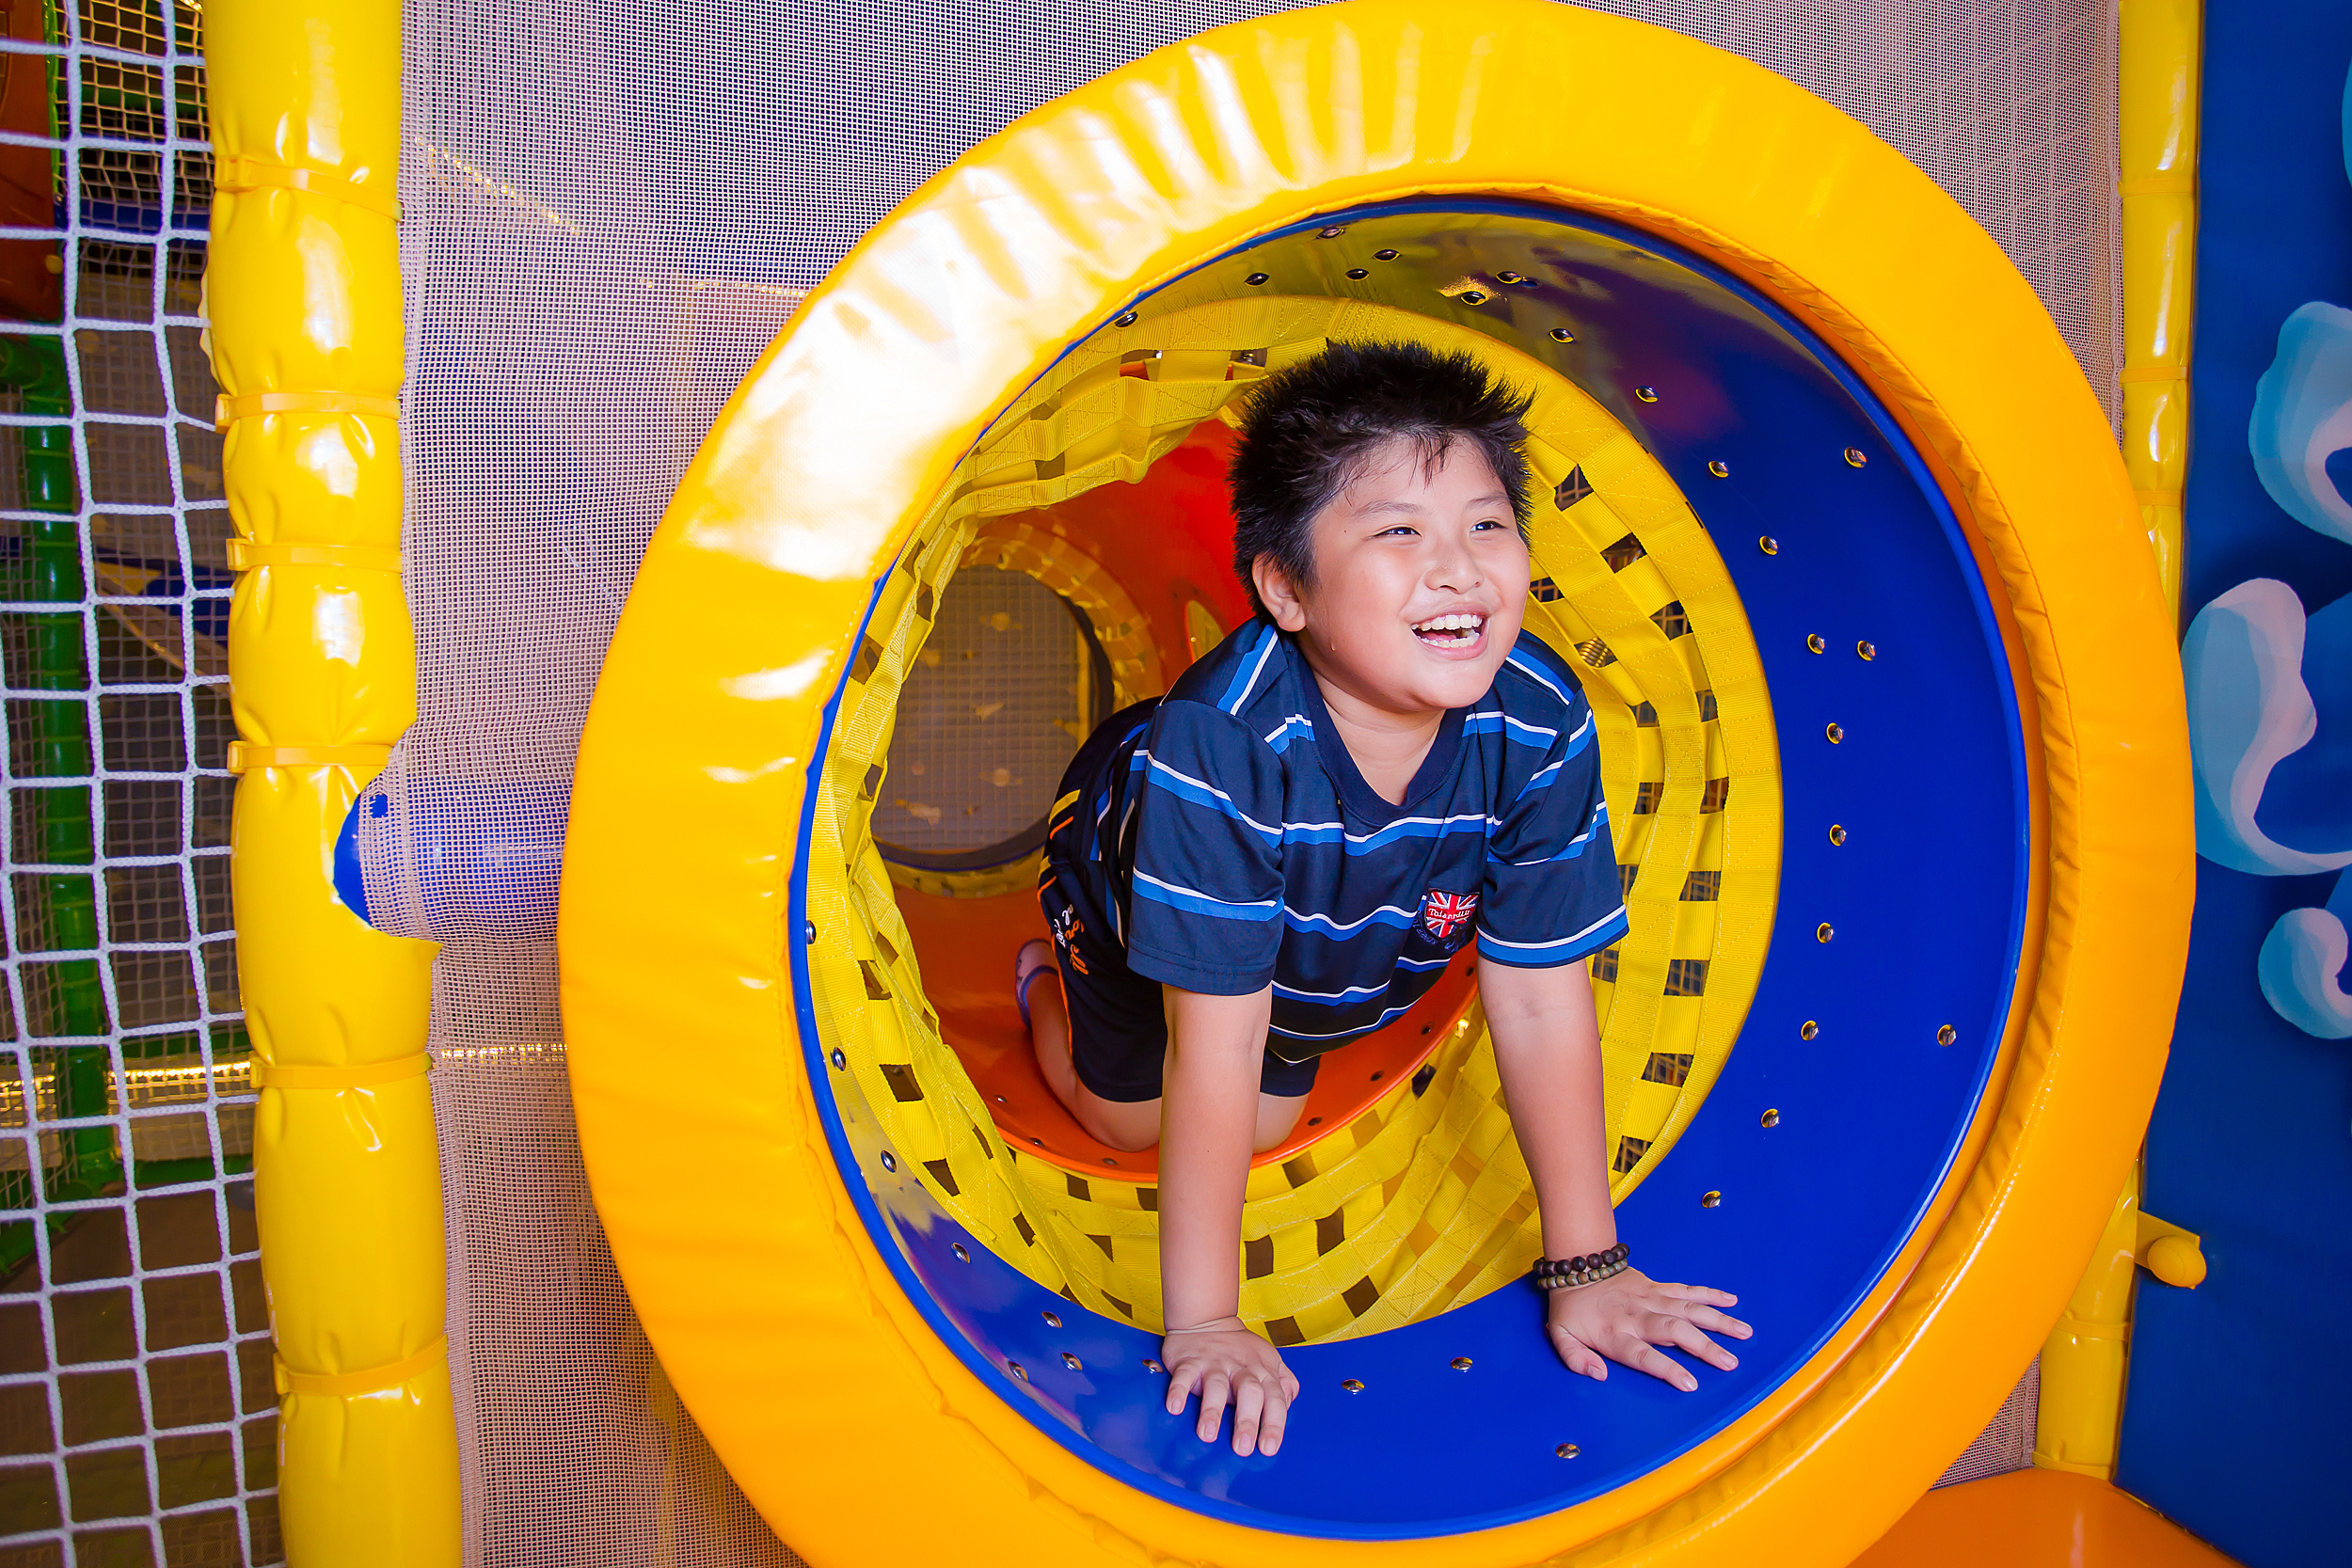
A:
(303, 298)
(2084, 1360)
(2088, 1352)
(2158, 90)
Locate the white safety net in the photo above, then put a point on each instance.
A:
(137, 1415)
(611, 207)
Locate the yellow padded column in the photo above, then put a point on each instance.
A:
(2087, 1354)
(303, 296)
(2156, 98)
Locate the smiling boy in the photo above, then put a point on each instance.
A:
(1281, 855)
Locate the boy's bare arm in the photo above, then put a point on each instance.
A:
(1208, 1116)
(1548, 1052)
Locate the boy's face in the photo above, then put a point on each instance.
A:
(1420, 579)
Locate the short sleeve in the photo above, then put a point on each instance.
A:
(1552, 895)
(1206, 885)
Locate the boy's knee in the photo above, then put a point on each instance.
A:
(1277, 1115)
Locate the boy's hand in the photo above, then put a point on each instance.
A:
(1624, 1316)
(1225, 1361)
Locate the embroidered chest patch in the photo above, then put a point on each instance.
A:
(1445, 914)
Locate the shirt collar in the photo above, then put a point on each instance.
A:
(1347, 779)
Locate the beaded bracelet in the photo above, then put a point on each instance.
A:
(1565, 1274)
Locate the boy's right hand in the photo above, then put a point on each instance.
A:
(1224, 1360)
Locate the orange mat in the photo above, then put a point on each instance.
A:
(2037, 1519)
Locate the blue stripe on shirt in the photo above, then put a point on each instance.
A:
(1253, 663)
(1599, 934)
(1185, 787)
(1191, 902)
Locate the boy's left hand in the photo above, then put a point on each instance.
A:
(1624, 1317)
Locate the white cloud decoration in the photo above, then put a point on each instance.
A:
(2267, 681)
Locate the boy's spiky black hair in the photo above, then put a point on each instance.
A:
(1308, 431)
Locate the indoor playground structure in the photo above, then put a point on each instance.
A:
(691, 478)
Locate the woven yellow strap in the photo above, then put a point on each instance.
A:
(246, 554)
(248, 405)
(242, 171)
(359, 1075)
(244, 756)
(367, 1380)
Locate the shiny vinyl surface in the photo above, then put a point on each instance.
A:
(1928, 897)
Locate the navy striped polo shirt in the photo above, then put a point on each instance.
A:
(1232, 843)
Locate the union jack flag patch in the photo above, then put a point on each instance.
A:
(1443, 913)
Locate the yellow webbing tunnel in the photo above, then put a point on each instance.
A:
(303, 298)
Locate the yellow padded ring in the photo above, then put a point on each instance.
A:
(777, 1320)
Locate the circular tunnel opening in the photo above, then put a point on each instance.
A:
(1010, 681)
(1824, 852)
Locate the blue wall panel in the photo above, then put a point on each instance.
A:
(2233, 1421)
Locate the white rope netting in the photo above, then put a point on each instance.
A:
(136, 1410)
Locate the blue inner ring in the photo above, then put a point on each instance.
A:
(1927, 900)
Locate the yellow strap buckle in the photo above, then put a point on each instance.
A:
(246, 554)
(242, 171)
(367, 1380)
(357, 1075)
(244, 756)
(227, 410)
